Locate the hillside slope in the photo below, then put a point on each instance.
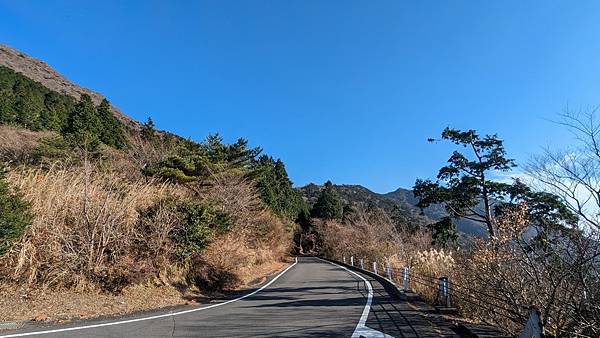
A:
(41, 72)
(143, 217)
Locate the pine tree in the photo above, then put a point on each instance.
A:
(149, 130)
(28, 105)
(83, 126)
(240, 155)
(7, 112)
(276, 189)
(111, 132)
(466, 191)
(329, 204)
(54, 115)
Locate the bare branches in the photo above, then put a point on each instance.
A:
(574, 174)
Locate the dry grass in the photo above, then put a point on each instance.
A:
(88, 229)
(93, 238)
(84, 225)
(493, 281)
(19, 304)
(256, 237)
(17, 144)
(371, 235)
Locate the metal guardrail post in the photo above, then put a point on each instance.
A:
(444, 292)
(534, 327)
(405, 276)
(362, 264)
(375, 268)
(352, 260)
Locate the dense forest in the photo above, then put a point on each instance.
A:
(28, 104)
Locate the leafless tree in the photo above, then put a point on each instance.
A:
(573, 174)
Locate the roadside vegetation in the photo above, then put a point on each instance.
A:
(543, 243)
(89, 204)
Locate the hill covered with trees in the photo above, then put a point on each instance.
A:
(400, 205)
(92, 200)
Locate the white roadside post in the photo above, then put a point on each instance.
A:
(362, 264)
(405, 275)
(344, 259)
(375, 268)
(444, 292)
(388, 271)
(352, 260)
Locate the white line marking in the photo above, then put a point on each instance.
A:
(152, 317)
(362, 330)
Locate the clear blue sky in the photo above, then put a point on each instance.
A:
(341, 90)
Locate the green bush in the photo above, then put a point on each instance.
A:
(15, 216)
(201, 223)
(51, 149)
(197, 224)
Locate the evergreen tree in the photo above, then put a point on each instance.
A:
(215, 149)
(149, 130)
(111, 132)
(465, 189)
(28, 105)
(83, 125)
(329, 204)
(54, 115)
(276, 189)
(15, 216)
(7, 112)
(239, 155)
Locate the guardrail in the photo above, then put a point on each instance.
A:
(447, 291)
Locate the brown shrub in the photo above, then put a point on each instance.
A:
(558, 272)
(17, 144)
(370, 235)
(84, 224)
(256, 236)
(143, 152)
(95, 226)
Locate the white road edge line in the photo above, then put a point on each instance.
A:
(362, 330)
(153, 317)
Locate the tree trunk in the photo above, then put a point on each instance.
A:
(488, 212)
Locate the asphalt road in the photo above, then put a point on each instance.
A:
(312, 298)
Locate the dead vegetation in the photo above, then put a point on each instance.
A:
(18, 145)
(370, 234)
(85, 227)
(102, 227)
(495, 281)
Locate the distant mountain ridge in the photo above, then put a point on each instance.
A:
(404, 199)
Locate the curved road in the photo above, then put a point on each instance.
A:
(312, 298)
